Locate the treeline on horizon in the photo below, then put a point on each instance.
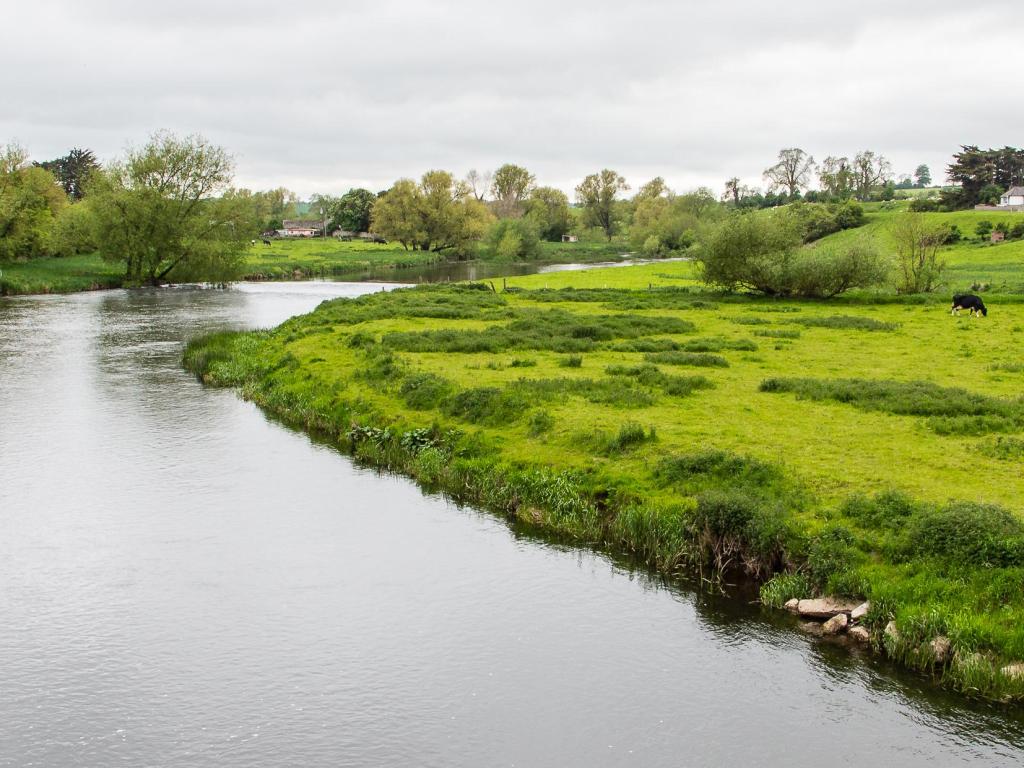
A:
(170, 211)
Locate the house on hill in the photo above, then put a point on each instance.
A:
(300, 228)
(1014, 196)
(1011, 200)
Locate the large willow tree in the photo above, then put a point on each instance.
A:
(167, 211)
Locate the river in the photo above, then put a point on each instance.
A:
(184, 582)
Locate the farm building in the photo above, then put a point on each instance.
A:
(569, 238)
(1014, 196)
(300, 228)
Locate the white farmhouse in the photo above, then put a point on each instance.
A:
(1013, 196)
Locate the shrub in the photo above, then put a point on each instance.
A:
(513, 240)
(761, 252)
(831, 557)
(571, 361)
(966, 533)
(917, 244)
(886, 509)
(423, 391)
(737, 529)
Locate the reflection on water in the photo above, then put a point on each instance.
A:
(186, 583)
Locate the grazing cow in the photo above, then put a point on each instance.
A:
(968, 301)
(252, 243)
(265, 241)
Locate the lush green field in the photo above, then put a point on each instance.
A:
(868, 449)
(63, 275)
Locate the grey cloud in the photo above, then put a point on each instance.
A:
(329, 94)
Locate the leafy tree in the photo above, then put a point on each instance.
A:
(548, 209)
(510, 187)
(975, 169)
(73, 171)
(654, 188)
(793, 171)
(513, 240)
(870, 171)
(353, 210)
(597, 194)
(437, 214)
(917, 246)
(168, 208)
(836, 177)
(763, 253)
(922, 176)
(983, 229)
(30, 200)
(732, 191)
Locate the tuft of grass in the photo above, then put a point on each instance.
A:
(847, 323)
(777, 334)
(695, 359)
(571, 361)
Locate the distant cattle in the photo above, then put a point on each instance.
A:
(968, 301)
(265, 241)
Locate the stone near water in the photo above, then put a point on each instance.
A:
(859, 633)
(835, 625)
(860, 611)
(941, 648)
(824, 607)
(792, 605)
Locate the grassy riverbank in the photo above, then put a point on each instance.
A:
(64, 275)
(864, 449)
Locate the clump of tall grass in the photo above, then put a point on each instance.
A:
(740, 530)
(695, 359)
(718, 344)
(652, 376)
(424, 391)
(540, 423)
(631, 435)
(571, 361)
(1003, 448)
(777, 334)
(910, 398)
(782, 587)
(749, 320)
(847, 322)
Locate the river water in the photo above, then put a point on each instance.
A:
(184, 582)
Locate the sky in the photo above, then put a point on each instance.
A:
(324, 95)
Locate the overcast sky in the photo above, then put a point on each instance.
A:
(323, 95)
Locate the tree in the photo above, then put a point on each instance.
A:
(922, 176)
(353, 210)
(548, 209)
(510, 188)
(30, 201)
(479, 183)
(437, 214)
(73, 170)
(597, 194)
(763, 253)
(836, 177)
(654, 188)
(975, 169)
(917, 246)
(870, 171)
(167, 208)
(793, 171)
(732, 191)
(513, 240)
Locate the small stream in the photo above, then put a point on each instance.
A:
(184, 582)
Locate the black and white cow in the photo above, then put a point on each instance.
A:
(968, 301)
